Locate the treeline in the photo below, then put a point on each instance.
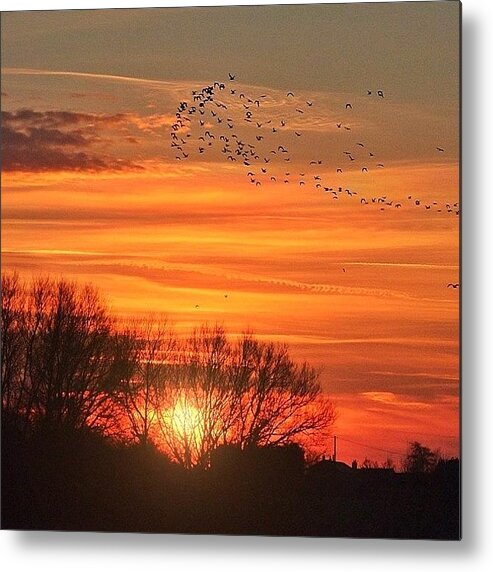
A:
(67, 364)
(418, 459)
(89, 406)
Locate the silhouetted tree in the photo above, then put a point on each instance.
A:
(197, 408)
(247, 393)
(57, 342)
(279, 399)
(66, 363)
(369, 464)
(13, 341)
(388, 464)
(420, 459)
(144, 351)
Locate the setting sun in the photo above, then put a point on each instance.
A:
(186, 420)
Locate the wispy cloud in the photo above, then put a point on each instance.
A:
(390, 398)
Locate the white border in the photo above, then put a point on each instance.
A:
(84, 552)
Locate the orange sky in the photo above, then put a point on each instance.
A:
(97, 195)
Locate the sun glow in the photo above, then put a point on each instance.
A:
(185, 420)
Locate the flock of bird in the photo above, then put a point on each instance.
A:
(205, 124)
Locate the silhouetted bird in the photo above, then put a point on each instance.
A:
(453, 285)
(231, 76)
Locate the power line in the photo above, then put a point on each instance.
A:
(371, 447)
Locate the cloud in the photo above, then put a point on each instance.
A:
(40, 141)
(390, 398)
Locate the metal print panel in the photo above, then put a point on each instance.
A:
(230, 270)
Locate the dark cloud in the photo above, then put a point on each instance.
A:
(37, 136)
(28, 117)
(57, 140)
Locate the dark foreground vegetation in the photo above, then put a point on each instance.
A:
(80, 481)
(129, 428)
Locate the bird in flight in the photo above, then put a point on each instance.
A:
(231, 76)
(380, 93)
(290, 94)
(453, 285)
(440, 149)
(349, 106)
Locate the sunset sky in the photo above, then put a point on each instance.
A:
(91, 188)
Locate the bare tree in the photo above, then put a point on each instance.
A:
(58, 342)
(369, 464)
(147, 347)
(64, 362)
(280, 399)
(196, 412)
(247, 393)
(13, 340)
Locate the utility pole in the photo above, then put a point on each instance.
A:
(334, 457)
